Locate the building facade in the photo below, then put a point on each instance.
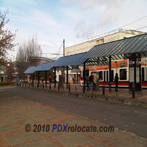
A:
(86, 46)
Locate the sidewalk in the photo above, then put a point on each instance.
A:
(16, 112)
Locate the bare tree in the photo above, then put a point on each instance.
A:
(33, 52)
(28, 55)
(10, 70)
(21, 62)
(6, 38)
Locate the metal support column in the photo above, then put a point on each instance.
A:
(97, 79)
(38, 80)
(67, 77)
(33, 80)
(109, 73)
(46, 79)
(84, 74)
(77, 77)
(54, 77)
(134, 84)
(135, 71)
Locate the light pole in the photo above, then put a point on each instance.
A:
(8, 71)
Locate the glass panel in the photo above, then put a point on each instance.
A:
(107, 76)
(112, 75)
(123, 74)
(100, 75)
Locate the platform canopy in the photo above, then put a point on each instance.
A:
(30, 70)
(71, 60)
(45, 66)
(99, 54)
(117, 49)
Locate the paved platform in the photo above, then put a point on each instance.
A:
(121, 96)
(16, 112)
(122, 93)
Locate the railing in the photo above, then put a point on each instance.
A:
(78, 89)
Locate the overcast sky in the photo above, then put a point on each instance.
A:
(73, 20)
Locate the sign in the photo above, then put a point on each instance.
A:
(144, 61)
(123, 64)
(131, 74)
(137, 74)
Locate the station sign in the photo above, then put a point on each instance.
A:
(144, 60)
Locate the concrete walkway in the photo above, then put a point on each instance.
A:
(16, 112)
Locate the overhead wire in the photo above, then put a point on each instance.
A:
(110, 32)
(58, 52)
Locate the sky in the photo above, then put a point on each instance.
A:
(76, 21)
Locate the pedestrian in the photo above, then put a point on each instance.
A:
(73, 79)
(42, 81)
(50, 80)
(116, 82)
(91, 82)
(87, 83)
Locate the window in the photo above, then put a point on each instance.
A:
(123, 74)
(112, 75)
(107, 76)
(145, 78)
(100, 75)
(104, 76)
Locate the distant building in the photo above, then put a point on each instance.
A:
(12, 70)
(8, 71)
(2, 74)
(86, 46)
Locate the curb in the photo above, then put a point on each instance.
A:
(97, 97)
(111, 99)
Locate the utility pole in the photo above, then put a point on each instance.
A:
(63, 56)
(63, 47)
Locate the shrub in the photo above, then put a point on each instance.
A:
(6, 83)
(3, 83)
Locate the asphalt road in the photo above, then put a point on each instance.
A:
(129, 118)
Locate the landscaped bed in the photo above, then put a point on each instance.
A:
(6, 83)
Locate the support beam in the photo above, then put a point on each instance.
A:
(103, 61)
(135, 71)
(38, 80)
(33, 80)
(66, 76)
(77, 77)
(98, 61)
(54, 77)
(109, 73)
(113, 57)
(84, 74)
